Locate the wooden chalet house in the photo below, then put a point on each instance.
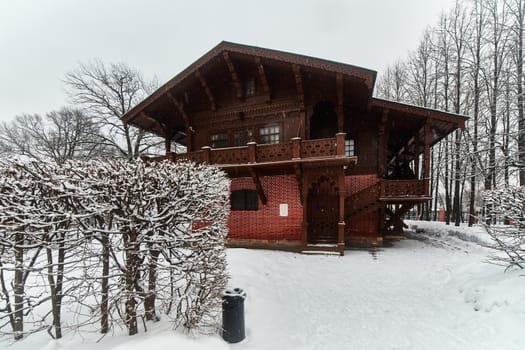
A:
(316, 162)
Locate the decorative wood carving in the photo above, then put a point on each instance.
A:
(234, 75)
(262, 77)
(206, 88)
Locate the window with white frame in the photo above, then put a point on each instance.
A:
(270, 134)
(349, 147)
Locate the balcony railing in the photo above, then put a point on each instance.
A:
(404, 188)
(265, 153)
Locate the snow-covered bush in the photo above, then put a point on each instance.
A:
(111, 242)
(508, 203)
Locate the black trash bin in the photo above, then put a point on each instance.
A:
(233, 315)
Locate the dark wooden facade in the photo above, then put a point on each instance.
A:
(304, 133)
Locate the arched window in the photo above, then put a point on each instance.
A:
(244, 200)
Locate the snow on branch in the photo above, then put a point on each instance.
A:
(112, 242)
(508, 203)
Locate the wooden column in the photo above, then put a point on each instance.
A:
(340, 110)
(207, 153)
(382, 145)
(306, 185)
(305, 132)
(252, 152)
(189, 139)
(296, 148)
(426, 159)
(417, 173)
(341, 224)
(340, 141)
(167, 144)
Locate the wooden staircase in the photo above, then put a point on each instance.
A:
(394, 197)
(364, 201)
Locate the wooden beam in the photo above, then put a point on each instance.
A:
(234, 75)
(263, 78)
(153, 121)
(206, 88)
(403, 149)
(340, 110)
(258, 185)
(298, 84)
(189, 130)
(178, 106)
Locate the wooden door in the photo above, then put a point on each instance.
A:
(323, 212)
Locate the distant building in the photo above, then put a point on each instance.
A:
(316, 162)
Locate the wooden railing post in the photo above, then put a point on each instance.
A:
(340, 142)
(252, 152)
(207, 153)
(296, 148)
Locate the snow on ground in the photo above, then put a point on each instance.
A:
(431, 291)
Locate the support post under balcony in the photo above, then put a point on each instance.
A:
(340, 141)
(426, 160)
(296, 148)
(258, 186)
(341, 224)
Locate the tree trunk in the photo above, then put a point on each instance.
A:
(149, 301)
(104, 307)
(131, 247)
(18, 289)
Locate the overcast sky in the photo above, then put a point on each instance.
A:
(40, 40)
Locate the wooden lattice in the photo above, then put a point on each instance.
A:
(318, 148)
(229, 155)
(273, 153)
(402, 188)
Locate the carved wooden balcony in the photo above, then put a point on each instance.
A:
(404, 190)
(277, 158)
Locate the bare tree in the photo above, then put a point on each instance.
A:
(516, 10)
(61, 135)
(392, 84)
(108, 92)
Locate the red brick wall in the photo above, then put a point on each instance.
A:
(366, 224)
(356, 183)
(265, 223)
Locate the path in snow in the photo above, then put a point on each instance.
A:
(408, 296)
